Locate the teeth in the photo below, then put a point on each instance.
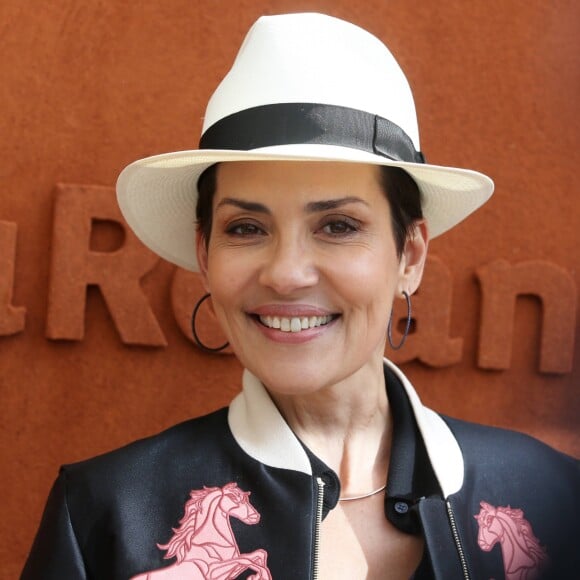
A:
(294, 324)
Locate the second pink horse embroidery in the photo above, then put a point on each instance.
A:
(523, 556)
(204, 544)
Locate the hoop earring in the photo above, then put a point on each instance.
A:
(194, 332)
(407, 327)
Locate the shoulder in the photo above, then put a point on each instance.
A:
(190, 442)
(112, 504)
(490, 446)
(508, 468)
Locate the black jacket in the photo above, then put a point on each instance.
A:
(490, 503)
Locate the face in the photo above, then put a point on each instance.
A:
(303, 269)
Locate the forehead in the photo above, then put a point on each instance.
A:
(298, 181)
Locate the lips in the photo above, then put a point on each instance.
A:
(294, 323)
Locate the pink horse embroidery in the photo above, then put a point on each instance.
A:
(204, 543)
(522, 554)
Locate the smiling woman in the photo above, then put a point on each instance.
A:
(287, 240)
(314, 209)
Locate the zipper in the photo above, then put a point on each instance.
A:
(458, 545)
(318, 522)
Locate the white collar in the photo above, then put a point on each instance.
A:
(262, 432)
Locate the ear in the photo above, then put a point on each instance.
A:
(202, 259)
(413, 258)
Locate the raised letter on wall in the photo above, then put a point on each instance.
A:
(74, 266)
(501, 284)
(431, 306)
(11, 317)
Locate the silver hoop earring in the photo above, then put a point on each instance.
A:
(407, 327)
(194, 332)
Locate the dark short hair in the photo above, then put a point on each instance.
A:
(399, 188)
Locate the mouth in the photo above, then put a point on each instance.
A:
(295, 324)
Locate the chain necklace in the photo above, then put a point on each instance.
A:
(352, 498)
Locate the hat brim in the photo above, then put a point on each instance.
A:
(158, 195)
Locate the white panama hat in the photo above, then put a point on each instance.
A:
(303, 87)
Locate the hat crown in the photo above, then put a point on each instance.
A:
(314, 58)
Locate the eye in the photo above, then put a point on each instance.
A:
(244, 229)
(340, 226)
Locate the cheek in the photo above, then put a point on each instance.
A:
(227, 278)
(367, 278)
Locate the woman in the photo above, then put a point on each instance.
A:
(314, 212)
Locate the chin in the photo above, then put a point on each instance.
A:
(300, 377)
(292, 377)
(307, 369)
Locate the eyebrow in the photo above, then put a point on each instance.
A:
(311, 207)
(246, 205)
(315, 206)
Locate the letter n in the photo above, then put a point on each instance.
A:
(117, 274)
(11, 317)
(501, 284)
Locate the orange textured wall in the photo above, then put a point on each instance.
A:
(88, 86)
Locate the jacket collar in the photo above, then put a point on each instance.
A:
(262, 432)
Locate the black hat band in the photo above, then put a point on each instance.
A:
(310, 123)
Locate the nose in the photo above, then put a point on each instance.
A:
(289, 266)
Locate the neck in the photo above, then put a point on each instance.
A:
(347, 425)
